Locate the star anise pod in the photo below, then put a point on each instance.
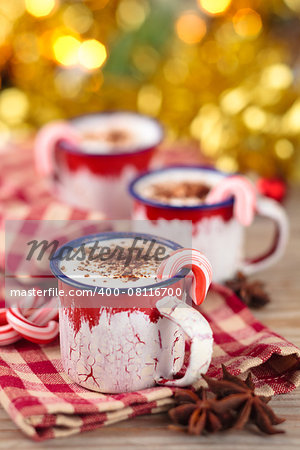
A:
(252, 293)
(198, 413)
(249, 407)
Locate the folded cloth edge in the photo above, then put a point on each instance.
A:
(61, 423)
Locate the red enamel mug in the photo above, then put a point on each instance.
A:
(128, 337)
(90, 159)
(215, 230)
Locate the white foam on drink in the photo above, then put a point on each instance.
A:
(112, 272)
(140, 132)
(143, 187)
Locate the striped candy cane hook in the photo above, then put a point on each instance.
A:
(39, 334)
(39, 325)
(45, 142)
(8, 335)
(244, 195)
(191, 259)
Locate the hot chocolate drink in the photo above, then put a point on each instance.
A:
(175, 186)
(120, 340)
(181, 192)
(128, 261)
(92, 158)
(118, 132)
(116, 139)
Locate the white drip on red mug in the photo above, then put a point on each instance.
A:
(132, 338)
(215, 230)
(90, 159)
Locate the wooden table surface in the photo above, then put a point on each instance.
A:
(150, 432)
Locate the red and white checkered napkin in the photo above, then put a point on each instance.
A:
(25, 196)
(43, 401)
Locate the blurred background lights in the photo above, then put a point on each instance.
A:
(78, 17)
(40, 8)
(14, 105)
(26, 47)
(293, 4)
(92, 54)
(69, 83)
(264, 95)
(247, 23)
(291, 119)
(65, 50)
(190, 28)
(214, 6)
(131, 13)
(12, 9)
(99, 4)
(277, 76)
(254, 118)
(234, 100)
(145, 59)
(221, 73)
(207, 127)
(211, 51)
(227, 164)
(5, 28)
(284, 148)
(149, 100)
(225, 34)
(175, 70)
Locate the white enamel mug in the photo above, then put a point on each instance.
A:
(215, 230)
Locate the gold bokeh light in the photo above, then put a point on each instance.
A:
(66, 50)
(214, 6)
(14, 105)
(92, 54)
(255, 118)
(40, 8)
(227, 164)
(190, 27)
(78, 17)
(234, 100)
(247, 23)
(277, 76)
(131, 14)
(284, 149)
(149, 100)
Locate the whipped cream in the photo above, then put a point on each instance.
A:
(116, 132)
(117, 263)
(190, 186)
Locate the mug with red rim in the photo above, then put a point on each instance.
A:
(129, 334)
(93, 157)
(215, 230)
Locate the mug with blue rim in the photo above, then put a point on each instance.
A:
(119, 337)
(215, 230)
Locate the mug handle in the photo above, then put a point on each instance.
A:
(45, 142)
(270, 209)
(197, 330)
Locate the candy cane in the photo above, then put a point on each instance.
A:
(8, 335)
(191, 259)
(243, 192)
(45, 142)
(39, 334)
(39, 327)
(2, 316)
(49, 312)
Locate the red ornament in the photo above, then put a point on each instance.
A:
(272, 187)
